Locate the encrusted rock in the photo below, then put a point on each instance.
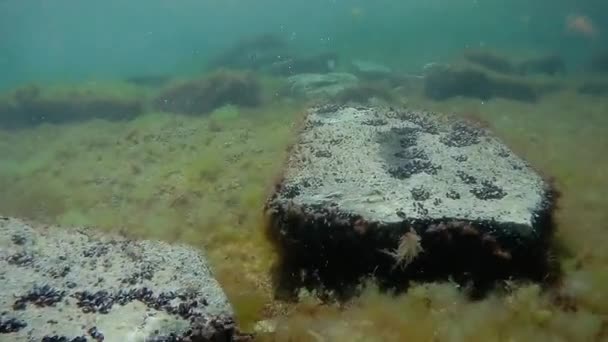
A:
(79, 285)
(363, 187)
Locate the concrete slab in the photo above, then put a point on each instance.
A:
(407, 193)
(80, 285)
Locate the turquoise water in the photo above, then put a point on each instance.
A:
(72, 39)
(202, 178)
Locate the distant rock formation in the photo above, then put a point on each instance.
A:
(270, 53)
(599, 62)
(34, 105)
(444, 82)
(201, 96)
(320, 85)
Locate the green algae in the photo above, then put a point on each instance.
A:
(203, 181)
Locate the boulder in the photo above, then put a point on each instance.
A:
(401, 194)
(320, 85)
(370, 70)
(443, 82)
(33, 105)
(79, 285)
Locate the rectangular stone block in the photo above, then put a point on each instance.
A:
(401, 194)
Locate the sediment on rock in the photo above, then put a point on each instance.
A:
(491, 61)
(548, 65)
(406, 195)
(79, 285)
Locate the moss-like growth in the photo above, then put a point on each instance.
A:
(203, 95)
(207, 168)
(270, 53)
(33, 104)
(225, 113)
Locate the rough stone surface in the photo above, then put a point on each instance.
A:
(79, 285)
(360, 178)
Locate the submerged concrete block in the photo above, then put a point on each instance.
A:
(84, 286)
(394, 193)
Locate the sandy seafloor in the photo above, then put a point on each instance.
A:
(203, 181)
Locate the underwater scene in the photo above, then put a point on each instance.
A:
(350, 170)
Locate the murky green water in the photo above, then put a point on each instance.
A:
(88, 138)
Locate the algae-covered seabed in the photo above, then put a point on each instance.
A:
(203, 181)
